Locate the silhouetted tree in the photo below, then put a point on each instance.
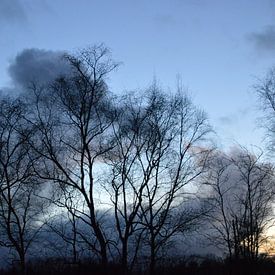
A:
(243, 192)
(72, 118)
(157, 140)
(20, 208)
(265, 89)
(66, 204)
(219, 202)
(175, 152)
(255, 200)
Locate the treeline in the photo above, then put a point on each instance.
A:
(187, 265)
(117, 182)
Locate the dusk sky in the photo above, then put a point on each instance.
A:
(218, 47)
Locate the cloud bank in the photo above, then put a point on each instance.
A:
(37, 65)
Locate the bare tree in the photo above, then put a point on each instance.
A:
(66, 204)
(72, 118)
(219, 202)
(242, 189)
(257, 178)
(127, 181)
(20, 208)
(157, 143)
(265, 89)
(176, 154)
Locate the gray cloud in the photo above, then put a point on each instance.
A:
(36, 65)
(12, 11)
(234, 118)
(227, 120)
(165, 19)
(264, 40)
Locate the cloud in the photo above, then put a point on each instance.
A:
(264, 40)
(234, 118)
(227, 120)
(36, 65)
(12, 11)
(165, 19)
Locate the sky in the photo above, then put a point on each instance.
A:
(219, 48)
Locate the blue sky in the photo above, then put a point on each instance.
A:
(218, 47)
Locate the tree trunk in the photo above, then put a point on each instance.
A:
(124, 259)
(152, 266)
(22, 263)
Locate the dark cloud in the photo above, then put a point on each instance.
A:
(36, 65)
(12, 11)
(264, 40)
